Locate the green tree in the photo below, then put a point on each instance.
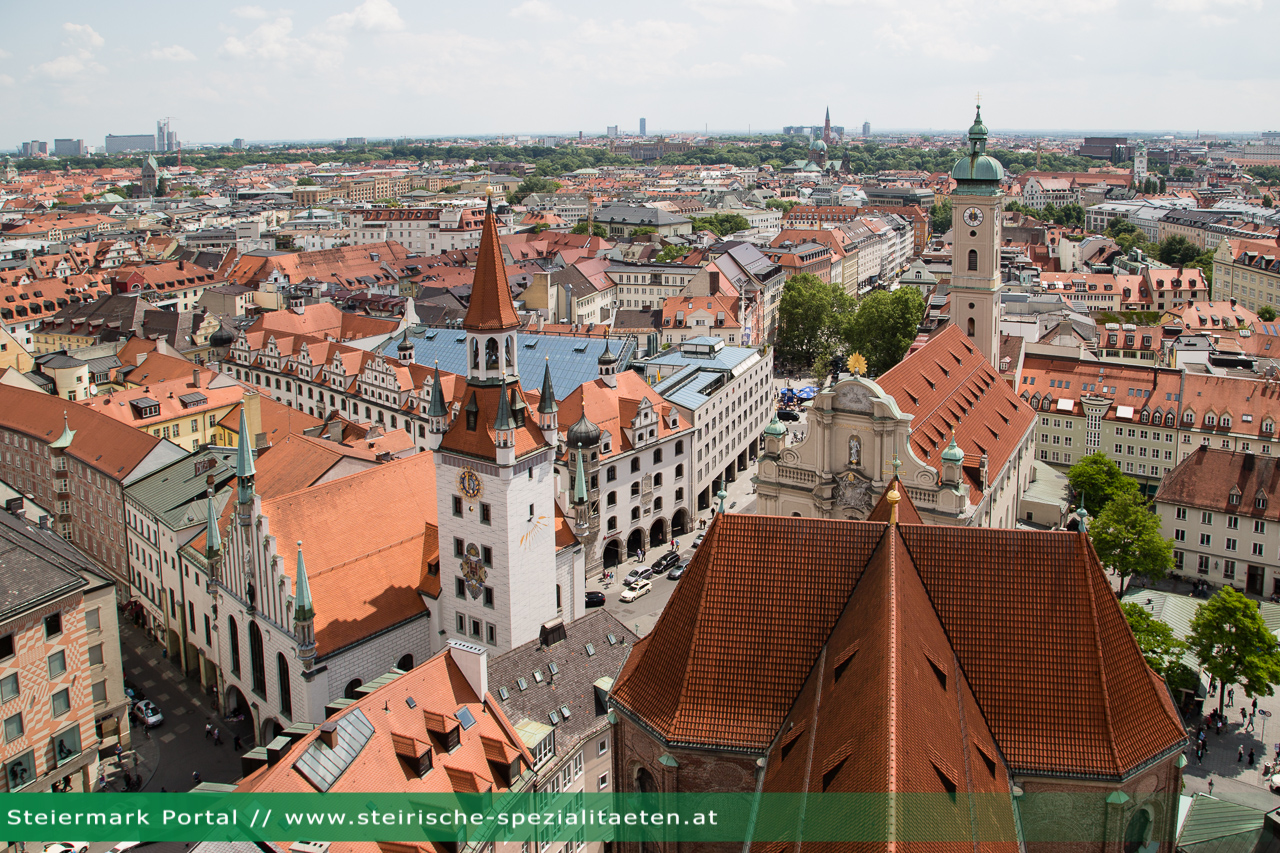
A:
(1266, 313)
(1267, 200)
(1176, 251)
(644, 231)
(1183, 173)
(721, 223)
(1096, 481)
(671, 253)
(451, 189)
(809, 319)
(162, 187)
(783, 204)
(1126, 234)
(1128, 539)
(940, 216)
(530, 185)
(597, 230)
(305, 181)
(884, 326)
(1156, 640)
(1233, 644)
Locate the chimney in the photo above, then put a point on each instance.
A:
(182, 265)
(253, 416)
(715, 282)
(329, 734)
(473, 660)
(195, 378)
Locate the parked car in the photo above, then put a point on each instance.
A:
(665, 562)
(595, 598)
(640, 588)
(67, 847)
(639, 573)
(676, 572)
(133, 693)
(148, 714)
(788, 415)
(697, 540)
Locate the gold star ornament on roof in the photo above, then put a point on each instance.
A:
(857, 364)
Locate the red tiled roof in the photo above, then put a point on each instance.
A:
(491, 307)
(1069, 694)
(1207, 479)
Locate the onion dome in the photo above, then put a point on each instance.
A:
(775, 427)
(977, 173)
(223, 337)
(953, 453)
(607, 357)
(584, 433)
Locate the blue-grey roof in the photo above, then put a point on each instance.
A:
(573, 360)
(728, 358)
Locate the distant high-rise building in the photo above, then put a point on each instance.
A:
(68, 148)
(357, 140)
(238, 143)
(642, 127)
(1271, 137)
(35, 148)
(1140, 165)
(166, 139)
(611, 131)
(866, 128)
(579, 136)
(134, 142)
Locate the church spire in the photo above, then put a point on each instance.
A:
(304, 614)
(491, 308)
(244, 463)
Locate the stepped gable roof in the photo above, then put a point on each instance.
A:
(365, 569)
(886, 682)
(322, 320)
(613, 409)
(706, 677)
(491, 308)
(949, 385)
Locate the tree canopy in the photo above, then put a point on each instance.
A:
(810, 314)
(1129, 540)
(530, 185)
(1176, 251)
(1233, 644)
(883, 326)
(1156, 640)
(722, 224)
(1095, 480)
(940, 216)
(1126, 234)
(783, 204)
(597, 230)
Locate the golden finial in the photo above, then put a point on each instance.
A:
(893, 497)
(857, 364)
(488, 190)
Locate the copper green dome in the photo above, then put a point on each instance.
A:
(775, 427)
(977, 173)
(817, 145)
(953, 453)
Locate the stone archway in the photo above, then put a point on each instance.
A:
(270, 730)
(635, 541)
(680, 522)
(405, 663)
(236, 703)
(658, 533)
(349, 692)
(612, 553)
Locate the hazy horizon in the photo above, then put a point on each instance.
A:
(387, 69)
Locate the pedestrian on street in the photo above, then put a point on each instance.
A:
(195, 775)
(217, 737)
(1210, 786)
(208, 730)
(1255, 704)
(1219, 730)
(1231, 697)
(1200, 755)
(1240, 754)
(1244, 716)
(235, 743)
(1249, 727)
(1250, 757)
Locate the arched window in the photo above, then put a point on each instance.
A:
(679, 471)
(973, 259)
(475, 355)
(349, 692)
(657, 456)
(286, 695)
(972, 327)
(680, 448)
(511, 357)
(635, 490)
(611, 474)
(612, 499)
(405, 663)
(234, 633)
(613, 523)
(657, 480)
(256, 661)
(635, 466)
(491, 354)
(635, 513)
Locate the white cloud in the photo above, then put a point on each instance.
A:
(254, 13)
(270, 41)
(762, 61)
(82, 35)
(377, 16)
(536, 10)
(173, 53)
(4, 54)
(6, 81)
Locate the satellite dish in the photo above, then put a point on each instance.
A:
(93, 390)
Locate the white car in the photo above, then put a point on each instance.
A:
(67, 847)
(640, 588)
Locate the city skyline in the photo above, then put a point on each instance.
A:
(380, 69)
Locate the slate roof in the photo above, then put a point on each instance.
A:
(31, 571)
(1206, 478)
(1050, 659)
(572, 686)
(1216, 826)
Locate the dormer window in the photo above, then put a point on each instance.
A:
(1210, 420)
(1234, 497)
(1189, 418)
(1260, 501)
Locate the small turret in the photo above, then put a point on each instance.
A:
(608, 366)
(212, 540)
(952, 461)
(404, 350)
(304, 615)
(437, 412)
(245, 470)
(504, 428)
(581, 498)
(548, 408)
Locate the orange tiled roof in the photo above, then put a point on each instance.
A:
(1069, 695)
(481, 442)
(491, 307)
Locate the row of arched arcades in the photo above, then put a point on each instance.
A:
(618, 550)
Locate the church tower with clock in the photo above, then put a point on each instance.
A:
(976, 205)
(500, 581)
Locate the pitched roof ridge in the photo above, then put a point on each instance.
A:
(716, 523)
(892, 543)
(1095, 625)
(819, 670)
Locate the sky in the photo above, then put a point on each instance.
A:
(377, 68)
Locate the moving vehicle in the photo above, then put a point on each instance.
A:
(148, 714)
(67, 847)
(595, 598)
(665, 562)
(676, 572)
(639, 573)
(641, 587)
(788, 415)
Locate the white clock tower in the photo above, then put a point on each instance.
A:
(976, 205)
(499, 579)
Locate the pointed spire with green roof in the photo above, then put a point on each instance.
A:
(213, 537)
(303, 609)
(63, 441)
(547, 402)
(244, 460)
(580, 482)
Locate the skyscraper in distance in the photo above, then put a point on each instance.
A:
(642, 127)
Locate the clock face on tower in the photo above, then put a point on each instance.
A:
(469, 483)
(972, 217)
